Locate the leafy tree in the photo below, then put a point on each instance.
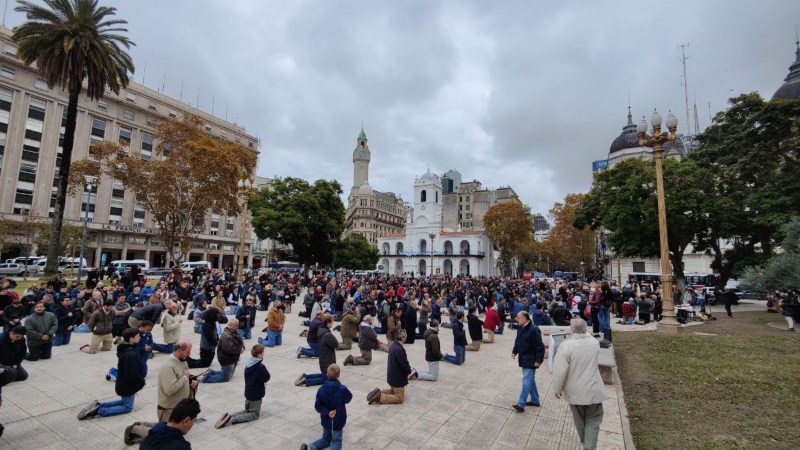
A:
(570, 245)
(191, 171)
(623, 201)
(72, 42)
(536, 255)
(22, 234)
(309, 217)
(354, 252)
(70, 240)
(752, 153)
(781, 271)
(510, 228)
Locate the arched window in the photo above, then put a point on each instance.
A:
(437, 196)
(423, 196)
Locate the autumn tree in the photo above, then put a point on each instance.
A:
(570, 246)
(536, 255)
(510, 228)
(190, 172)
(69, 242)
(309, 217)
(23, 234)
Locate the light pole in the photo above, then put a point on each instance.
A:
(245, 189)
(669, 323)
(431, 236)
(89, 187)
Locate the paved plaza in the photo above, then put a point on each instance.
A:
(468, 408)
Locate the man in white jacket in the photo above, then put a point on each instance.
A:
(577, 379)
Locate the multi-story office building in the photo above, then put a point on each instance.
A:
(32, 119)
(539, 222)
(465, 206)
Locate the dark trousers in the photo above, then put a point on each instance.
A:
(206, 358)
(595, 319)
(12, 374)
(644, 317)
(44, 351)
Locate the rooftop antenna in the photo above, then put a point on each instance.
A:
(144, 73)
(212, 105)
(227, 105)
(683, 48)
(696, 120)
(163, 81)
(181, 97)
(710, 118)
(197, 102)
(5, 10)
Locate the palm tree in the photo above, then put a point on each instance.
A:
(72, 41)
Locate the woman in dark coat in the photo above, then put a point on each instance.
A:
(410, 321)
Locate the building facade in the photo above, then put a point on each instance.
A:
(371, 213)
(32, 120)
(468, 202)
(626, 146)
(426, 247)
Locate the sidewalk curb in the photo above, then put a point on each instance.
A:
(623, 412)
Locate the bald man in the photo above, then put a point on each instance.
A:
(229, 348)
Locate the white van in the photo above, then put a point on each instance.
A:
(188, 266)
(128, 263)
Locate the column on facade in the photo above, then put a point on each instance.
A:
(124, 246)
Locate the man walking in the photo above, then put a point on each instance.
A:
(577, 380)
(229, 348)
(530, 348)
(397, 371)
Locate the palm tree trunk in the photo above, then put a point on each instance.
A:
(51, 267)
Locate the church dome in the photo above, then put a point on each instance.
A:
(790, 89)
(428, 177)
(365, 189)
(627, 139)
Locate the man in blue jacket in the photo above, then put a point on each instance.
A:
(331, 400)
(530, 348)
(169, 435)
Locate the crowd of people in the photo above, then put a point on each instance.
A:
(375, 312)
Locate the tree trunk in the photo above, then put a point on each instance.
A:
(51, 267)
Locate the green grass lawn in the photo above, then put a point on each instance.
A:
(738, 389)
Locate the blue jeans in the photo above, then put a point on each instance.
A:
(315, 379)
(528, 387)
(122, 406)
(245, 334)
(499, 330)
(163, 348)
(459, 357)
(220, 376)
(330, 438)
(62, 338)
(273, 338)
(312, 352)
(604, 317)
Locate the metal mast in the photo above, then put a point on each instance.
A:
(685, 85)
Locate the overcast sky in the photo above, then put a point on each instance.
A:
(519, 93)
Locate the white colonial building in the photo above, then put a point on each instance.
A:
(424, 247)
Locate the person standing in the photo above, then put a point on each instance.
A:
(229, 348)
(332, 398)
(256, 376)
(397, 372)
(367, 341)
(577, 380)
(327, 354)
(276, 319)
(530, 348)
(459, 341)
(433, 354)
(130, 380)
(41, 328)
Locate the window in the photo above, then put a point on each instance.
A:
(102, 105)
(638, 266)
(173, 113)
(208, 127)
(423, 196)
(36, 111)
(7, 73)
(128, 115)
(125, 136)
(151, 105)
(40, 84)
(151, 121)
(27, 172)
(131, 97)
(98, 127)
(23, 196)
(147, 146)
(10, 49)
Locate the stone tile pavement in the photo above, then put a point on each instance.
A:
(468, 408)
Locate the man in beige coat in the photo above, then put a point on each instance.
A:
(577, 379)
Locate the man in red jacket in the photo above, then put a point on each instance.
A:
(490, 323)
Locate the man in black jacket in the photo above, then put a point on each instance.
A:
(530, 348)
(312, 351)
(12, 352)
(327, 344)
(397, 371)
(229, 348)
(130, 380)
(475, 327)
(169, 435)
(433, 354)
(459, 341)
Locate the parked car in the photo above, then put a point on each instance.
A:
(38, 267)
(159, 271)
(72, 268)
(12, 269)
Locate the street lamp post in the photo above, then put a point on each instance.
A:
(245, 189)
(89, 186)
(669, 322)
(432, 236)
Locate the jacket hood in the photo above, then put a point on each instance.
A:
(122, 348)
(251, 361)
(330, 387)
(429, 332)
(322, 330)
(162, 435)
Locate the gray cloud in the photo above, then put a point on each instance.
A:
(514, 93)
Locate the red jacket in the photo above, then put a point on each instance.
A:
(492, 320)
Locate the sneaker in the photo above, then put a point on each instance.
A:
(532, 404)
(223, 421)
(299, 352)
(518, 408)
(349, 360)
(413, 374)
(303, 447)
(84, 347)
(300, 380)
(373, 394)
(89, 411)
(117, 340)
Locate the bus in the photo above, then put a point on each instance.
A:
(285, 266)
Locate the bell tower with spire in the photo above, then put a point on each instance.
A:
(361, 157)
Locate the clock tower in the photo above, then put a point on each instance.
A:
(361, 157)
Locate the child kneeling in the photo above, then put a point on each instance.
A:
(256, 376)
